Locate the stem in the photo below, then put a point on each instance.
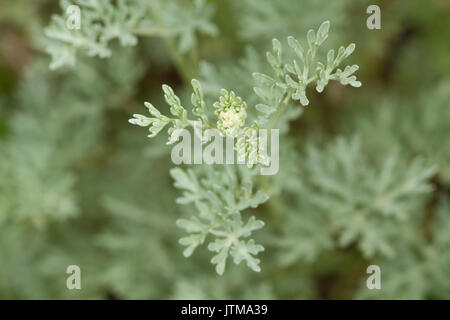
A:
(313, 78)
(182, 66)
(275, 203)
(149, 32)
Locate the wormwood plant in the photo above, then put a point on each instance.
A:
(221, 195)
(363, 174)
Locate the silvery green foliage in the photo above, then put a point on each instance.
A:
(422, 258)
(23, 196)
(184, 19)
(236, 76)
(219, 197)
(103, 21)
(158, 121)
(290, 79)
(419, 126)
(230, 111)
(40, 153)
(123, 194)
(30, 153)
(215, 195)
(273, 91)
(377, 218)
(231, 115)
(135, 233)
(265, 19)
(54, 129)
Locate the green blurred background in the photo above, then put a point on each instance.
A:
(79, 185)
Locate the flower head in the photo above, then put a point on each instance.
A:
(231, 112)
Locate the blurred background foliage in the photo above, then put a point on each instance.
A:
(364, 175)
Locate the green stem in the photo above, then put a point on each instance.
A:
(185, 69)
(150, 32)
(275, 203)
(181, 64)
(279, 112)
